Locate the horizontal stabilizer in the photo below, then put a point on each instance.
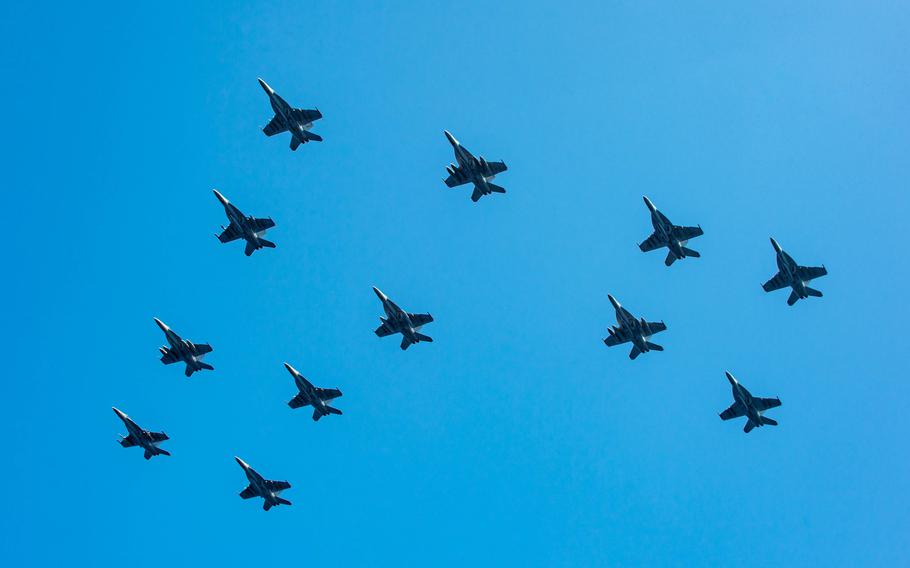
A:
(654, 346)
(314, 137)
(768, 421)
(793, 298)
(206, 366)
(422, 337)
(690, 252)
(749, 426)
(671, 258)
(295, 142)
(282, 501)
(405, 343)
(164, 452)
(813, 292)
(267, 244)
(495, 188)
(332, 410)
(634, 353)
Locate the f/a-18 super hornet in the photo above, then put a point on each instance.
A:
(638, 331)
(666, 234)
(473, 170)
(183, 350)
(249, 229)
(749, 406)
(261, 487)
(400, 321)
(148, 441)
(312, 396)
(793, 275)
(289, 119)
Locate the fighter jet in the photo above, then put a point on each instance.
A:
(400, 321)
(148, 441)
(250, 229)
(666, 234)
(183, 350)
(287, 118)
(261, 487)
(638, 331)
(795, 276)
(312, 396)
(473, 170)
(749, 406)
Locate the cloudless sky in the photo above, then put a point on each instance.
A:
(517, 437)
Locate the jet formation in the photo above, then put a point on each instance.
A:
(473, 170)
(666, 234)
(793, 275)
(638, 331)
(397, 320)
(183, 350)
(289, 119)
(269, 490)
(249, 229)
(309, 395)
(749, 406)
(145, 439)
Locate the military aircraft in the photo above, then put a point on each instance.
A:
(289, 119)
(400, 321)
(249, 229)
(148, 441)
(666, 234)
(473, 170)
(795, 276)
(183, 350)
(261, 487)
(749, 406)
(638, 331)
(312, 396)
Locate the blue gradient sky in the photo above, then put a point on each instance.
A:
(516, 438)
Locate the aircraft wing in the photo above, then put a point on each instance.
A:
(298, 401)
(735, 411)
(384, 330)
(275, 126)
(277, 485)
(763, 404)
(775, 283)
(420, 319)
(248, 493)
(201, 349)
(656, 326)
(128, 442)
(811, 272)
(260, 225)
(617, 337)
(686, 233)
(456, 179)
(157, 436)
(169, 357)
(494, 168)
(328, 394)
(651, 243)
(305, 116)
(231, 233)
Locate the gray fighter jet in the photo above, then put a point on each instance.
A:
(249, 229)
(400, 321)
(289, 119)
(749, 406)
(312, 396)
(666, 234)
(261, 487)
(183, 350)
(638, 331)
(148, 441)
(795, 276)
(473, 170)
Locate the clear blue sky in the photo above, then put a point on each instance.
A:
(517, 438)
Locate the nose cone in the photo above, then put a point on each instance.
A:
(775, 245)
(730, 378)
(119, 413)
(242, 463)
(220, 197)
(290, 369)
(265, 86)
(613, 301)
(451, 138)
(649, 204)
(161, 324)
(379, 293)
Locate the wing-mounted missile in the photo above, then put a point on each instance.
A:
(451, 170)
(163, 350)
(483, 164)
(644, 325)
(189, 344)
